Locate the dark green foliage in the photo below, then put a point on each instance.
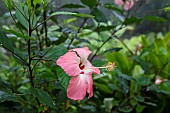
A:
(36, 33)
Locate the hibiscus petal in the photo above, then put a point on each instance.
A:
(83, 53)
(70, 63)
(77, 87)
(119, 2)
(128, 5)
(90, 69)
(90, 85)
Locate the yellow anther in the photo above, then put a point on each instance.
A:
(110, 66)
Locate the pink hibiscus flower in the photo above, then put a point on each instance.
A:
(127, 4)
(75, 64)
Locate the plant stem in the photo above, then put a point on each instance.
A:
(45, 28)
(78, 31)
(30, 59)
(110, 37)
(124, 44)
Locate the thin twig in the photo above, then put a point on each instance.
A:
(42, 56)
(20, 58)
(124, 44)
(78, 31)
(40, 23)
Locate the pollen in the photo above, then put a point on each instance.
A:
(110, 66)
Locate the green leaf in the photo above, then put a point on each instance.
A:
(35, 2)
(155, 18)
(99, 15)
(104, 28)
(108, 104)
(70, 6)
(112, 7)
(89, 3)
(123, 75)
(143, 81)
(22, 17)
(104, 88)
(143, 64)
(139, 108)
(63, 77)
(166, 8)
(125, 109)
(88, 108)
(132, 20)
(43, 97)
(7, 96)
(72, 14)
(19, 34)
(54, 52)
(8, 4)
(5, 41)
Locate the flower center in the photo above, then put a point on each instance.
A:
(81, 66)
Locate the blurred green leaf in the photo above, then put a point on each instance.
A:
(63, 77)
(43, 96)
(22, 17)
(132, 20)
(89, 3)
(139, 108)
(7, 96)
(112, 7)
(54, 52)
(89, 108)
(19, 34)
(166, 8)
(104, 88)
(98, 15)
(104, 28)
(155, 18)
(108, 104)
(35, 2)
(125, 109)
(143, 81)
(143, 64)
(123, 75)
(61, 39)
(8, 4)
(72, 6)
(5, 41)
(72, 14)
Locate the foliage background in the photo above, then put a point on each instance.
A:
(138, 41)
